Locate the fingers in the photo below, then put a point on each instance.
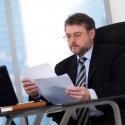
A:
(29, 84)
(77, 97)
(75, 90)
(78, 93)
(32, 92)
(25, 80)
(30, 87)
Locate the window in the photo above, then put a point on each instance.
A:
(43, 27)
(38, 31)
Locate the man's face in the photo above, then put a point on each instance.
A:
(79, 39)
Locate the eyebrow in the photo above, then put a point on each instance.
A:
(74, 32)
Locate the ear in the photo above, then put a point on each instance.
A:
(92, 33)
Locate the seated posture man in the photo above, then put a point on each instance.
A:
(97, 71)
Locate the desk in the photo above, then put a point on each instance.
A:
(68, 108)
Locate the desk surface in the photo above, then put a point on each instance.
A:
(58, 108)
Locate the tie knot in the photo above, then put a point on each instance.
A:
(82, 60)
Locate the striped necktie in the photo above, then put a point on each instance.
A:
(82, 113)
(81, 78)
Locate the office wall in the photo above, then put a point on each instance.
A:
(117, 8)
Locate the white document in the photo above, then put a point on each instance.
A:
(53, 89)
(51, 86)
(39, 71)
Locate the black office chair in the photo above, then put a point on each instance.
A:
(111, 34)
(108, 35)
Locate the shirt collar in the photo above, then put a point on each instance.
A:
(87, 54)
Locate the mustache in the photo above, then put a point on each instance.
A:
(74, 45)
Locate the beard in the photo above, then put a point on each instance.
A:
(76, 50)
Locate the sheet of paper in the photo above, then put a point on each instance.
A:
(53, 89)
(39, 71)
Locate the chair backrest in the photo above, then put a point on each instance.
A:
(111, 34)
(7, 93)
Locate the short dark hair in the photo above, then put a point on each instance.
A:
(81, 19)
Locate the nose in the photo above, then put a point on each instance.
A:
(72, 39)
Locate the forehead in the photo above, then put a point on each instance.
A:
(74, 28)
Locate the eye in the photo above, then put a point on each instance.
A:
(68, 36)
(77, 34)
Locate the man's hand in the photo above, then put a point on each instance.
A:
(30, 87)
(78, 93)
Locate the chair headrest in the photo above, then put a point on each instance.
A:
(111, 34)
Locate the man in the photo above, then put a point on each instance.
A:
(103, 67)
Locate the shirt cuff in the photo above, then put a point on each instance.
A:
(37, 97)
(93, 94)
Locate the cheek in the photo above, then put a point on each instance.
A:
(69, 44)
(85, 41)
(82, 43)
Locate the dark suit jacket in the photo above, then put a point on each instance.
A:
(106, 72)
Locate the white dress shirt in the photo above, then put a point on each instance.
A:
(88, 54)
(93, 111)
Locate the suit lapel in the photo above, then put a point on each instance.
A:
(73, 69)
(95, 59)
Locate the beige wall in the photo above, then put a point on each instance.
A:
(117, 8)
